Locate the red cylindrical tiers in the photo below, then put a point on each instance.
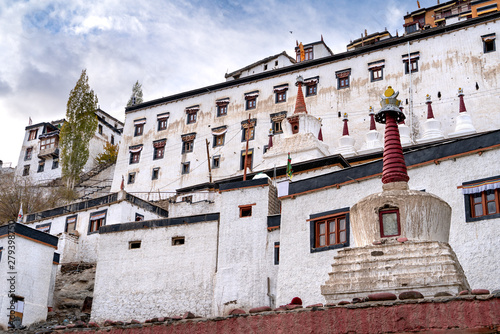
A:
(394, 169)
(300, 104)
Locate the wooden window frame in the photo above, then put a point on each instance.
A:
(162, 124)
(158, 153)
(381, 223)
(187, 146)
(131, 178)
(244, 133)
(48, 143)
(246, 210)
(28, 154)
(484, 203)
(325, 217)
(413, 63)
(281, 96)
(343, 82)
(219, 140)
(191, 117)
(376, 74)
(26, 170)
(67, 224)
(96, 223)
(136, 244)
(221, 110)
(250, 156)
(214, 159)
(185, 167)
(155, 174)
(276, 253)
(178, 241)
(135, 157)
(138, 130)
(251, 104)
(311, 90)
(328, 232)
(41, 166)
(33, 134)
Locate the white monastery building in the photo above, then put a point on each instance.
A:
(255, 190)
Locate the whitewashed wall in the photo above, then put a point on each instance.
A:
(158, 279)
(33, 264)
(444, 65)
(301, 272)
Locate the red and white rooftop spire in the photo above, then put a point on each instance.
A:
(300, 104)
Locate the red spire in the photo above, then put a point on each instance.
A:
(300, 104)
(430, 114)
(270, 144)
(372, 119)
(461, 97)
(345, 131)
(394, 169)
(320, 134)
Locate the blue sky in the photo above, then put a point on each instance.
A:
(169, 46)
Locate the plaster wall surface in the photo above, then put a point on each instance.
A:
(246, 252)
(33, 268)
(466, 61)
(159, 278)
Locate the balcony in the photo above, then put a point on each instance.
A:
(49, 152)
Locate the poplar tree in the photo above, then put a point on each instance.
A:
(136, 93)
(79, 128)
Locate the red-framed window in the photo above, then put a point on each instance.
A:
(311, 90)
(139, 129)
(331, 231)
(251, 104)
(33, 134)
(485, 203)
(389, 223)
(281, 96)
(221, 110)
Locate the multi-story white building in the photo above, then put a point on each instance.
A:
(39, 157)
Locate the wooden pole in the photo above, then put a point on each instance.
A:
(208, 160)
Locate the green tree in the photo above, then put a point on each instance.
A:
(79, 128)
(136, 96)
(109, 154)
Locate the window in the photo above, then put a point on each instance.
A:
(276, 120)
(191, 113)
(376, 71)
(41, 166)
(139, 127)
(134, 244)
(55, 163)
(249, 160)
(27, 155)
(188, 142)
(221, 110)
(251, 100)
(47, 143)
(135, 154)
(246, 210)
(216, 161)
(266, 147)
(185, 167)
(280, 92)
(26, 170)
(178, 241)
(162, 121)
(276, 253)
(308, 53)
(411, 65)
(33, 134)
(265, 67)
(44, 227)
(139, 217)
(187, 199)
(112, 140)
(329, 230)
(155, 174)
(311, 89)
(70, 224)
(159, 149)
(389, 222)
(343, 78)
(219, 140)
(482, 199)
(97, 219)
(100, 129)
(489, 43)
(131, 178)
(248, 129)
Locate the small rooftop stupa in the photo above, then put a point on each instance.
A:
(463, 124)
(401, 235)
(372, 138)
(300, 135)
(346, 142)
(432, 127)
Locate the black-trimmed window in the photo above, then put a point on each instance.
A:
(26, 170)
(216, 161)
(162, 121)
(99, 129)
(139, 127)
(131, 178)
(251, 100)
(276, 121)
(28, 154)
(159, 149)
(55, 163)
(155, 174)
(44, 227)
(191, 114)
(135, 154)
(343, 78)
(482, 199)
(32, 135)
(412, 63)
(249, 160)
(276, 253)
(389, 221)
(185, 167)
(139, 217)
(489, 43)
(219, 136)
(248, 129)
(376, 73)
(329, 230)
(97, 219)
(222, 107)
(188, 142)
(280, 93)
(134, 244)
(70, 224)
(41, 166)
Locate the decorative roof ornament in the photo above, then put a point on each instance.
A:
(371, 113)
(430, 113)
(345, 131)
(394, 169)
(389, 102)
(300, 104)
(462, 103)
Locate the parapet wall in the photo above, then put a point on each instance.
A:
(461, 314)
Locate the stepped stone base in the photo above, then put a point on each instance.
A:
(425, 266)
